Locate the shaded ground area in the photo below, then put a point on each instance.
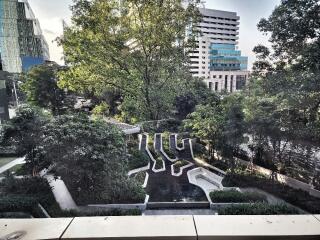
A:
(163, 187)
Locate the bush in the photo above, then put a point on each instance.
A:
(140, 177)
(296, 197)
(138, 159)
(257, 209)
(200, 151)
(110, 212)
(234, 196)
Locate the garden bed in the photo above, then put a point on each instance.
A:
(293, 196)
(177, 165)
(138, 159)
(234, 196)
(140, 177)
(166, 145)
(257, 209)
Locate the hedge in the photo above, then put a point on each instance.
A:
(235, 197)
(257, 209)
(296, 197)
(138, 159)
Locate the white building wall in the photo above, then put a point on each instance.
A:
(220, 81)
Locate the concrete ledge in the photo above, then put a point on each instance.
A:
(146, 227)
(213, 227)
(257, 227)
(36, 228)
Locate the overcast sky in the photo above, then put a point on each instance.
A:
(51, 13)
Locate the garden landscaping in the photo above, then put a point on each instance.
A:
(234, 196)
(299, 198)
(257, 209)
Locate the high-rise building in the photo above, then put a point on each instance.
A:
(4, 111)
(22, 44)
(216, 58)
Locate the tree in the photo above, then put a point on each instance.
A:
(41, 89)
(24, 131)
(138, 47)
(91, 158)
(233, 127)
(206, 123)
(292, 67)
(294, 26)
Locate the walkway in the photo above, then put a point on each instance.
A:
(61, 193)
(12, 164)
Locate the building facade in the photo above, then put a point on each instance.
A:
(4, 110)
(216, 58)
(22, 44)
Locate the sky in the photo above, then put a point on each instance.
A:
(51, 13)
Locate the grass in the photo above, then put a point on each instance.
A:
(6, 160)
(234, 196)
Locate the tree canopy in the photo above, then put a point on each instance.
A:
(137, 47)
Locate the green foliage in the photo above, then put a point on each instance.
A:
(24, 132)
(258, 209)
(90, 156)
(138, 159)
(111, 212)
(23, 195)
(40, 87)
(234, 196)
(102, 109)
(136, 47)
(296, 197)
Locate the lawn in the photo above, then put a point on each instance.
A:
(6, 160)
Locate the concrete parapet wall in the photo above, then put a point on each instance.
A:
(190, 227)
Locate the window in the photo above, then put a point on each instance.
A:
(216, 86)
(226, 83)
(210, 85)
(240, 81)
(231, 86)
(214, 76)
(220, 76)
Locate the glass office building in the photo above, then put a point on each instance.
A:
(225, 57)
(22, 44)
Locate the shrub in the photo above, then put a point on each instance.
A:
(296, 197)
(257, 209)
(110, 212)
(140, 177)
(138, 159)
(235, 197)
